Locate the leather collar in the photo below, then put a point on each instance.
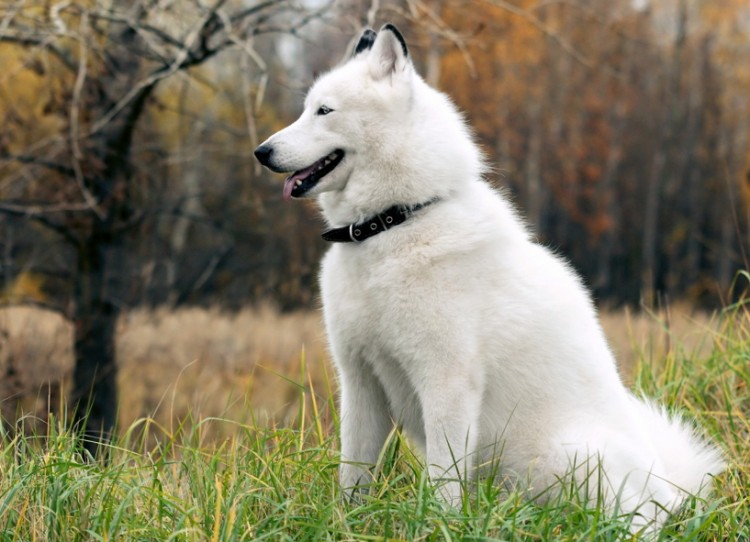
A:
(393, 216)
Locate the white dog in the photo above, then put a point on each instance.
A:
(446, 318)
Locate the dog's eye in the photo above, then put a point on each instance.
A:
(323, 110)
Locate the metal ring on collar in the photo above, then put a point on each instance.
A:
(351, 233)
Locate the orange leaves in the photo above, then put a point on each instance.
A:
(592, 113)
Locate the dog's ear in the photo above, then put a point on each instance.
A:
(389, 53)
(365, 42)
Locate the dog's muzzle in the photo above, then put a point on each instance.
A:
(264, 155)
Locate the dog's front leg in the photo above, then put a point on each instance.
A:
(451, 418)
(365, 426)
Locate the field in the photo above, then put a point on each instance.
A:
(228, 432)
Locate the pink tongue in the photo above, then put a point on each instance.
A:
(288, 187)
(301, 174)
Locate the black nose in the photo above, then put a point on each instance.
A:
(263, 154)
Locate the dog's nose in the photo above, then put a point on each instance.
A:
(263, 154)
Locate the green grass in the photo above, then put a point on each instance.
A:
(281, 483)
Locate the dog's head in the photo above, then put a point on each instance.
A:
(342, 127)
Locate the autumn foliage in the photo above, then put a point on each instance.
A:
(621, 132)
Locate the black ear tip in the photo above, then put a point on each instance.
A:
(391, 28)
(365, 41)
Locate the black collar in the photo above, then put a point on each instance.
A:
(393, 216)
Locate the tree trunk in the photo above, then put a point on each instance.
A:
(606, 193)
(94, 395)
(434, 54)
(651, 225)
(98, 291)
(649, 254)
(533, 173)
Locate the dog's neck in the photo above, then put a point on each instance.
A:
(361, 231)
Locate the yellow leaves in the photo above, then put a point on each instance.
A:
(27, 97)
(27, 287)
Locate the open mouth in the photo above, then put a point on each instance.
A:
(299, 182)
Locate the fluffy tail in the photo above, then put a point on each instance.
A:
(689, 461)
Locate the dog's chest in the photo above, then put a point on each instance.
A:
(364, 295)
(366, 301)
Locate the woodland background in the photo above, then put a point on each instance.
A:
(620, 128)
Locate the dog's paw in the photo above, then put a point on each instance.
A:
(355, 481)
(449, 493)
(355, 496)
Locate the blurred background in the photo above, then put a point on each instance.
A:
(148, 263)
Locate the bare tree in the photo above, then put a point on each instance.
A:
(80, 181)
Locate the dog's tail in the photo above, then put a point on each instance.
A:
(689, 461)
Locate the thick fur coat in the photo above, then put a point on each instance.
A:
(484, 345)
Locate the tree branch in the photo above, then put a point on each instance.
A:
(38, 213)
(561, 42)
(196, 49)
(139, 28)
(208, 271)
(257, 8)
(43, 43)
(36, 161)
(74, 121)
(183, 59)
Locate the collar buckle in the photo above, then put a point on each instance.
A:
(351, 234)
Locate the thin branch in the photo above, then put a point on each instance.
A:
(12, 12)
(147, 33)
(38, 213)
(257, 8)
(57, 21)
(217, 225)
(249, 107)
(36, 209)
(735, 218)
(209, 271)
(442, 29)
(43, 42)
(140, 27)
(597, 15)
(372, 13)
(195, 50)
(52, 145)
(36, 161)
(74, 119)
(564, 44)
(183, 59)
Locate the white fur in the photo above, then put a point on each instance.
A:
(456, 325)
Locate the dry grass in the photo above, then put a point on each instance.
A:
(35, 359)
(189, 362)
(205, 362)
(213, 363)
(653, 336)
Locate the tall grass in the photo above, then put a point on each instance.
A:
(200, 363)
(214, 479)
(173, 365)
